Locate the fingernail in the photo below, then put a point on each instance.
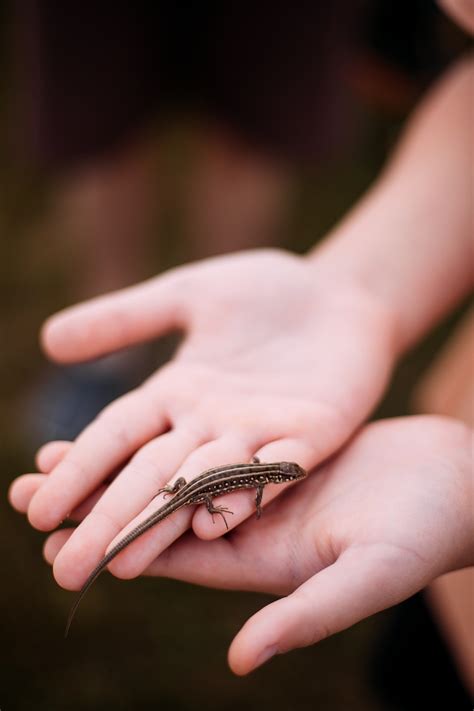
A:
(267, 654)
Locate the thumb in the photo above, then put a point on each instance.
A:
(117, 320)
(360, 583)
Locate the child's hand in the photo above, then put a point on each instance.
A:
(279, 360)
(375, 525)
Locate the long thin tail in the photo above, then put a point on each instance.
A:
(126, 540)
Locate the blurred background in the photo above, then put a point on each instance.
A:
(133, 139)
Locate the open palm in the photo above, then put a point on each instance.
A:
(275, 362)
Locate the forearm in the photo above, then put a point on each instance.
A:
(409, 240)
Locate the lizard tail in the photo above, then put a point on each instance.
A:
(126, 540)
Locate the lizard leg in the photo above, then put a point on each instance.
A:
(221, 510)
(171, 489)
(258, 500)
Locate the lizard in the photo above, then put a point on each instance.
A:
(201, 490)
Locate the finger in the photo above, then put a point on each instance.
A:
(242, 503)
(360, 583)
(113, 437)
(217, 564)
(23, 489)
(50, 454)
(124, 499)
(55, 542)
(85, 508)
(138, 555)
(214, 564)
(116, 320)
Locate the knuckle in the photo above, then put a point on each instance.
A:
(143, 466)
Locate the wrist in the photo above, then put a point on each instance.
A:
(466, 496)
(339, 263)
(453, 487)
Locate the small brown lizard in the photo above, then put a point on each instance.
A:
(202, 490)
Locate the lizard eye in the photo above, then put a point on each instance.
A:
(291, 470)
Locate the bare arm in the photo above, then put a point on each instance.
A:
(409, 240)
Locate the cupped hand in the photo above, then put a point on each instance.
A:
(375, 525)
(278, 360)
(371, 527)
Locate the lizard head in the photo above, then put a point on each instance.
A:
(292, 471)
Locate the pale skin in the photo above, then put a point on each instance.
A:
(276, 362)
(372, 527)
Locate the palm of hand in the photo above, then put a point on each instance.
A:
(368, 530)
(274, 363)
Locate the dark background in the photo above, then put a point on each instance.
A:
(155, 643)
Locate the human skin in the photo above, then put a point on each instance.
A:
(276, 360)
(371, 527)
(448, 389)
(389, 514)
(461, 11)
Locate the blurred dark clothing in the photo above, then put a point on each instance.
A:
(275, 72)
(411, 666)
(279, 74)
